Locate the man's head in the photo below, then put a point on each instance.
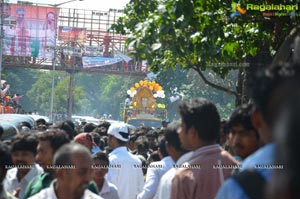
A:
(100, 165)
(6, 10)
(24, 150)
(269, 90)
(244, 137)
(20, 14)
(118, 135)
(74, 169)
(142, 146)
(49, 143)
(89, 127)
(67, 126)
(5, 161)
(86, 139)
(51, 17)
(200, 123)
(152, 139)
(162, 150)
(103, 127)
(173, 144)
(96, 138)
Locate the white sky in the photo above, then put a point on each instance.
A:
(101, 5)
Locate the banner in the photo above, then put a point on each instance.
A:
(72, 51)
(66, 33)
(93, 51)
(29, 30)
(89, 62)
(124, 57)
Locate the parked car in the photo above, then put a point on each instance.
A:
(10, 124)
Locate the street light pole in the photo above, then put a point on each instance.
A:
(53, 65)
(54, 55)
(1, 37)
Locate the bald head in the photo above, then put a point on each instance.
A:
(64, 155)
(73, 169)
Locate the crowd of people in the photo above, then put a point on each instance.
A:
(252, 154)
(9, 103)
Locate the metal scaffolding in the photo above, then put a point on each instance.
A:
(97, 26)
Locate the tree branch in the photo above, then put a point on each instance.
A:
(197, 69)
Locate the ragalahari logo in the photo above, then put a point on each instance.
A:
(237, 10)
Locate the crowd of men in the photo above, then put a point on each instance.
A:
(253, 154)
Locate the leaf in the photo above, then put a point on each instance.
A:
(156, 46)
(204, 39)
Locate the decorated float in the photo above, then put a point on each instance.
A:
(142, 107)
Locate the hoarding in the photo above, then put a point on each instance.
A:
(66, 33)
(29, 30)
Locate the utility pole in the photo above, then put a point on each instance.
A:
(55, 6)
(53, 65)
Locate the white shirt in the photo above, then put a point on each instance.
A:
(11, 182)
(109, 190)
(127, 103)
(49, 193)
(126, 173)
(165, 183)
(154, 172)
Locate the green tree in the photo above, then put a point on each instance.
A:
(103, 93)
(187, 84)
(201, 35)
(40, 93)
(20, 80)
(93, 93)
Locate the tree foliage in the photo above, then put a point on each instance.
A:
(93, 93)
(99, 94)
(40, 93)
(200, 34)
(103, 93)
(184, 84)
(20, 81)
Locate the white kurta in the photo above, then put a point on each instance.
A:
(154, 173)
(11, 182)
(126, 173)
(49, 193)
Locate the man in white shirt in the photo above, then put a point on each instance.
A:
(4, 88)
(173, 146)
(127, 101)
(24, 168)
(155, 171)
(100, 166)
(73, 167)
(125, 168)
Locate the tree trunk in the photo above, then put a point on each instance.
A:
(240, 88)
(262, 60)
